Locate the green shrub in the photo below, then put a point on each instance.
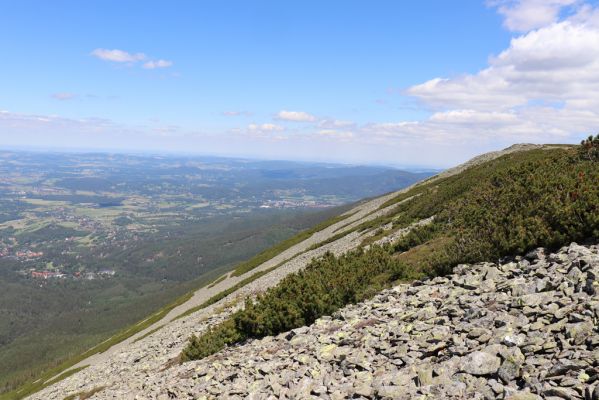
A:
(324, 286)
(589, 148)
(546, 202)
(418, 236)
(212, 341)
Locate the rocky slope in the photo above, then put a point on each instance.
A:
(137, 368)
(523, 329)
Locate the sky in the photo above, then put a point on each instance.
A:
(403, 83)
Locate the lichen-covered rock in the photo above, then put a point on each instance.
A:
(513, 359)
(480, 363)
(579, 331)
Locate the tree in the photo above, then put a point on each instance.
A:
(589, 148)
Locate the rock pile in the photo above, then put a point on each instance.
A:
(521, 330)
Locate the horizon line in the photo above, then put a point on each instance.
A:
(147, 152)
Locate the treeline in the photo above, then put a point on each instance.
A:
(545, 197)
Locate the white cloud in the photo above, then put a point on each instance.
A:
(64, 96)
(16, 125)
(296, 116)
(543, 86)
(335, 123)
(237, 113)
(470, 128)
(157, 64)
(265, 128)
(525, 15)
(471, 117)
(336, 134)
(119, 56)
(267, 131)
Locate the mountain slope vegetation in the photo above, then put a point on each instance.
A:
(543, 197)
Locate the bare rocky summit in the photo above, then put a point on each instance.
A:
(524, 329)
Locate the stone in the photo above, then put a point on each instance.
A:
(535, 299)
(327, 352)
(536, 254)
(392, 392)
(299, 340)
(561, 392)
(476, 332)
(497, 387)
(579, 332)
(510, 367)
(523, 396)
(424, 375)
(562, 367)
(480, 363)
(401, 379)
(514, 340)
(363, 384)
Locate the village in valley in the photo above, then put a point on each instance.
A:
(40, 269)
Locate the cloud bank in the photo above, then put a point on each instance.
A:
(543, 86)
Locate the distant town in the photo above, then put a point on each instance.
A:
(57, 274)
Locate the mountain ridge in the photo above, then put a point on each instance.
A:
(285, 263)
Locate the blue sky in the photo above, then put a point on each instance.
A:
(385, 82)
